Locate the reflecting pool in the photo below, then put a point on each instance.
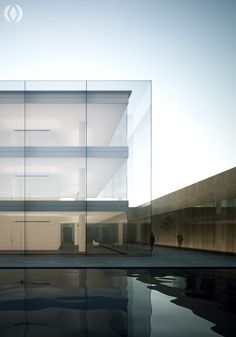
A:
(117, 302)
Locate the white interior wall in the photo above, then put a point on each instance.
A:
(46, 235)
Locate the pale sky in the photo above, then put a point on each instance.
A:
(186, 47)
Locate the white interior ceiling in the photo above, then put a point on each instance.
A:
(55, 178)
(62, 117)
(58, 119)
(60, 217)
(62, 122)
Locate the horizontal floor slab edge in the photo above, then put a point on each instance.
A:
(62, 206)
(64, 152)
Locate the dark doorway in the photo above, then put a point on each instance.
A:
(67, 239)
(67, 234)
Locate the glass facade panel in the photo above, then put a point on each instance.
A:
(75, 158)
(55, 165)
(121, 111)
(12, 168)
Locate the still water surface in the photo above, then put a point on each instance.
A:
(117, 302)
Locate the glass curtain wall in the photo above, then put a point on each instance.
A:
(75, 157)
(55, 174)
(12, 167)
(122, 113)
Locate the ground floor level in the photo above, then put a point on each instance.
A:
(161, 257)
(72, 233)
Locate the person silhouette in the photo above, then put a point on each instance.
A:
(180, 239)
(151, 241)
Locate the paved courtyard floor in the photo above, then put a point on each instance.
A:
(161, 257)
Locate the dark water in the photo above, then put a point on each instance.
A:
(117, 302)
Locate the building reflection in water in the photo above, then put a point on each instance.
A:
(117, 302)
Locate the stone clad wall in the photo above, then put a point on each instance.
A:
(204, 213)
(219, 187)
(201, 228)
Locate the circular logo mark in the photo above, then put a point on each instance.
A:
(13, 13)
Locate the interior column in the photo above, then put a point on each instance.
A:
(120, 233)
(82, 233)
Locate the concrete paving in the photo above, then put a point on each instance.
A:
(162, 257)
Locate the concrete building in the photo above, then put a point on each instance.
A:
(74, 156)
(200, 216)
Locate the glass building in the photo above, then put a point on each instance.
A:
(75, 159)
